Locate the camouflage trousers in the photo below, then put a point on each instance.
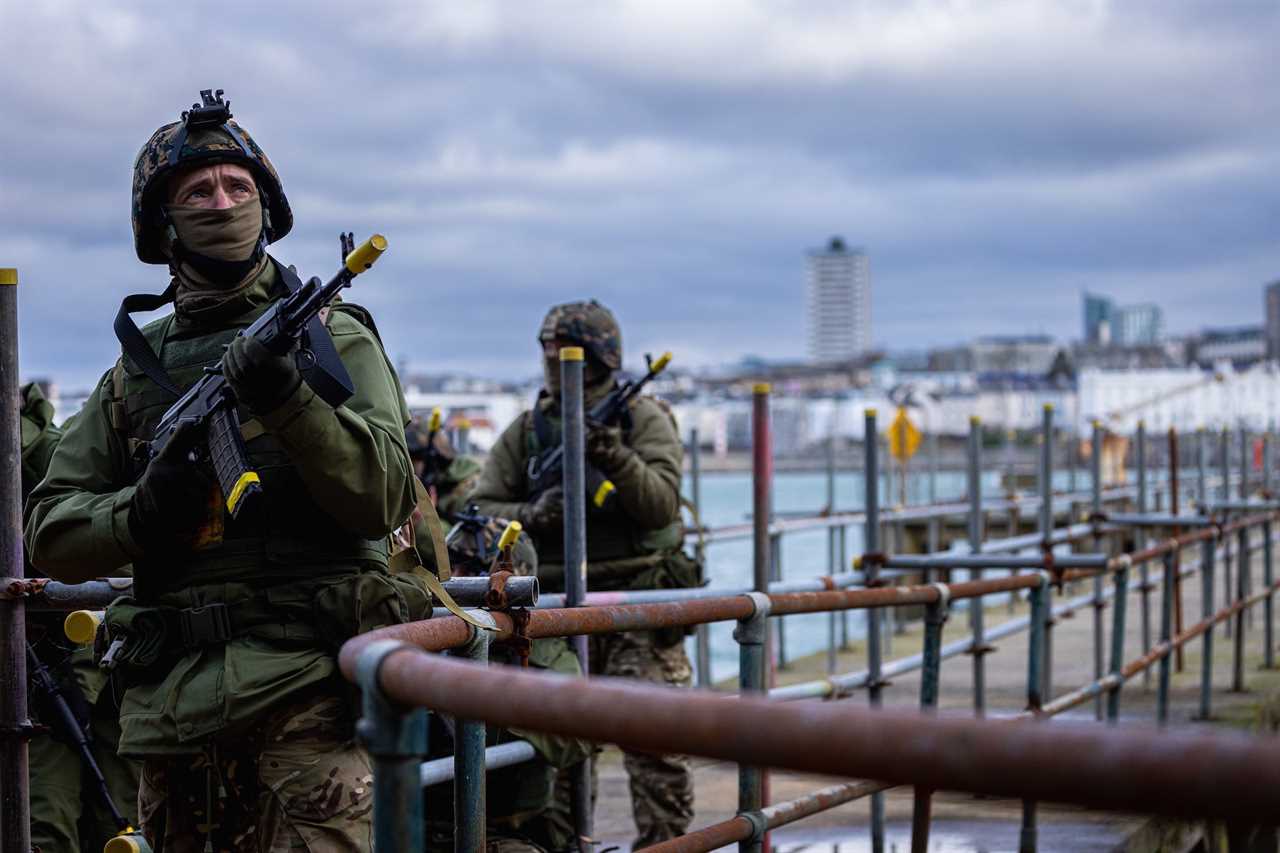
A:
(296, 782)
(661, 785)
(67, 813)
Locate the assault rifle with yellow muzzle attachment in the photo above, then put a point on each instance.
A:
(211, 404)
(546, 469)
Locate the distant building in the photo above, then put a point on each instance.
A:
(1097, 319)
(839, 303)
(1028, 355)
(1271, 303)
(1240, 345)
(1108, 324)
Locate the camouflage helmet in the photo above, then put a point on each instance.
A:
(466, 561)
(205, 135)
(589, 325)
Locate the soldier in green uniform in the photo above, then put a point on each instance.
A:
(634, 543)
(527, 812)
(67, 812)
(227, 649)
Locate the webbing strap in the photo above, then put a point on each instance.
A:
(326, 375)
(135, 345)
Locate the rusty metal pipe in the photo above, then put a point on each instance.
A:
(1213, 776)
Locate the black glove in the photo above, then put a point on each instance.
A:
(546, 514)
(173, 498)
(262, 381)
(604, 448)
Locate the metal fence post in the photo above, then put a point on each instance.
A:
(396, 739)
(761, 506)
(1175, 507)
(1166, 636)
(1241, 593)
(976, 534)
(469, 795)
(775, 574)
(1098, 601)
(752, 635)
(464, 437)
(1202, 481)
(1027, 840)
(1208, 548)
(702, 634)
(1246, 576)
(1140, 534)
(935, 616)
(871, 570)
(15, 727)
(1227, 589)
(1268, 603)
(1121, 585)
(575, 551)
(1046, 531)
(832, 561)
(844, 563)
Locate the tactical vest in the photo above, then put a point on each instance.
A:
(611, 535)
(285, 535)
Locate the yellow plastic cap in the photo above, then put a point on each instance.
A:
(510, 535)
(434, 423)
(366, 254)
(571, 354)
(1048, 407)
(8, 275)
(463, 423)
(871, 413)
(761, 388)
(974, 420)
(80, 626)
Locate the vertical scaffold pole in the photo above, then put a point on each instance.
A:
(1140, 534)
(1241, 593)
(1121, 585)
(702, 634)
(396, 740)
(1207, 550)
(1227, 589)
(779, 648)
(1027, 840)
(935, 616)
(832, 560)
(1046, 531)
(1246, 574)
(1175, 507)
(871, 568)
(761, 552)
(1166, 637)
(575, 553)
(844, 563)
(976, 534)
(15, 727)
(1202, 479)
(752, 635)
(1268, 603)
(469, 776)
(1098, 601)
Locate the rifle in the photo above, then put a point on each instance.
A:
(211, 403)
(471, 523)
(65, 720)
(545, 469)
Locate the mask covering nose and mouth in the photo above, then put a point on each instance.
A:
(218, 246)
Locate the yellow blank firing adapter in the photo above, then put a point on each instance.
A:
(660, 363)
(81, 625)
(510, 535)
(129, 841)
(602, 494)
(366, 254)
(434, 423)
(571, 354)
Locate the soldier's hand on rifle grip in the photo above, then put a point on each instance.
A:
(260, 380)
(604, 448)
(546, 513)
(171, 502)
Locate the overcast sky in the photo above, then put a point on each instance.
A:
(673, 159)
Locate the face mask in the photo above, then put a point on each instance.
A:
(217, 245)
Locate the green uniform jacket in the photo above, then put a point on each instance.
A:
(623, 544)
(352, 462)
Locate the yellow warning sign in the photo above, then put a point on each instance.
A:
(904, 438)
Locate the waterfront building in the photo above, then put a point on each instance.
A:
(839, 303)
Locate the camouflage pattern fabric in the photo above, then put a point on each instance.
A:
(295, 782)
(152, 170)
(661, 785)
(467, 561)
(590, 325)
(456, 485)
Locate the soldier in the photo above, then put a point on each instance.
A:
(64, 801)
(527, 812)
(448, 477)
(634, 543)
(233, 697)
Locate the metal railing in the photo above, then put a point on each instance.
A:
(1165, 773)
